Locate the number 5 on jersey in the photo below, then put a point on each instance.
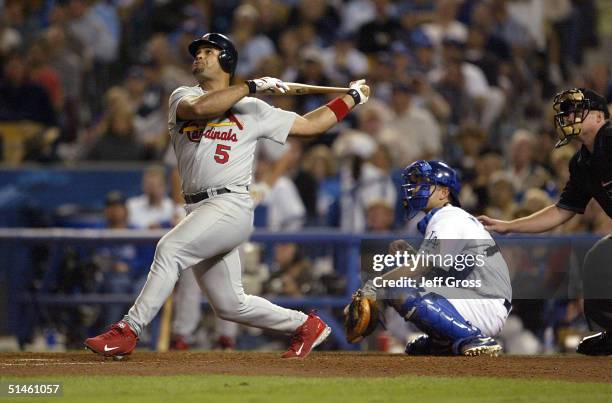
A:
(221, 155)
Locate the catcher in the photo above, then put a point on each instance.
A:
(459, 307)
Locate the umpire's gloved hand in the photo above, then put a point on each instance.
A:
(267, 84)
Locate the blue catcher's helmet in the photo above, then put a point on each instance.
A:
(418, 180)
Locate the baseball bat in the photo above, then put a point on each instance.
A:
(165, 328)
(303, 89)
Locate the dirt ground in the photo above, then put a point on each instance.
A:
(318, 364)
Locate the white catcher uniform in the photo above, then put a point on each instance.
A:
(458, 232)
(211, 155)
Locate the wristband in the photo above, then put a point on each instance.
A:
(339, 107)
(252, 86)
(356, 97)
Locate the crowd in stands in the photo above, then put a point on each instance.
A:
(466, 81)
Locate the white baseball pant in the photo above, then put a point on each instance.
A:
(207, 240)
(187, 309)
(488, 315)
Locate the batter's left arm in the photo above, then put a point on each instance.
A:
(323, 118)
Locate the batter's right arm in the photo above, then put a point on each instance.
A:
(217, 102)
(210, 104)
(541, 221)
(321, 119)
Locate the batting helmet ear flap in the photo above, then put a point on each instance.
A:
(227, 61)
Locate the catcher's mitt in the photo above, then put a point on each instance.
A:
(361, 317)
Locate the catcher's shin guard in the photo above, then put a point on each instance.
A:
(437, 317)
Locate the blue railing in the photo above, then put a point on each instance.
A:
(24, 305)
(15, 245)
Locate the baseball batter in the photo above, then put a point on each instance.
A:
(460, 306)
(214, 127)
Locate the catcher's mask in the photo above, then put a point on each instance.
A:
(420, 180)
(571, 109)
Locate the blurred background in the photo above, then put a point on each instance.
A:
(84, 89)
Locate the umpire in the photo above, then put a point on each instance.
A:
(581, 114)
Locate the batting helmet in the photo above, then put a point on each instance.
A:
(418, 179)
(228, 58)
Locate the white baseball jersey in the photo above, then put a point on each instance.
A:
(453, 231)
(220, 152)
(212, 154)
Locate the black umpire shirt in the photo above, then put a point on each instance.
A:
(590, 175)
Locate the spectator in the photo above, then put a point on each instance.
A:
(70, 67)
(471, 140)
(425, 96)
(379, 34)
(475, 193)
(290, 47)
(22, 100)
(121, 265)
(449, 81)
(477, 53)
(252, 46)
(285, 209)
(118, 142)
(98, 29)
(291, 273)
(560, 159)
(545, 139)
(509, 28)
(412, 133)
(116, 100)
(319, 162)
(380, 76)
(146, 99)
(522, 167)
(355, 14)
(445, 24)
(486, 102)
(361, 180)
(424, 56)
(343, 62)
(304, 181)
(172, 73)
(599, 79)
(321, 15)
(153, 208)
(10, 39)
(501, 196)
(380, 216)
(312, 71)
(534, 200)
(273, 16)
(43, 74)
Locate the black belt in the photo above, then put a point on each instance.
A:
(198, 197)
(491, 250)
(507, 305)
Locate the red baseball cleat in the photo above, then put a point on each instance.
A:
(226, 343)
(179, 343)
(306, 337)
(120, 340)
